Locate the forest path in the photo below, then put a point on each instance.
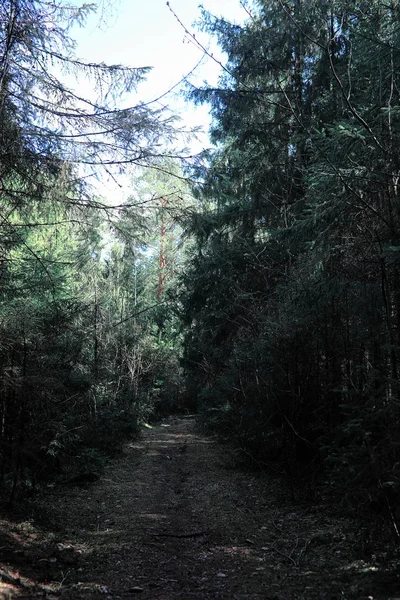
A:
(173, 519)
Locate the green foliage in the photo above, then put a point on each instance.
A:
(292, 298)
(83, 359)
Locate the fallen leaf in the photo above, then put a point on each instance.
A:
(103, 589)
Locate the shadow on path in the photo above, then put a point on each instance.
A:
(173, 519)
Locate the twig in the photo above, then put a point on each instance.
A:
(295, 548)
(136, 314)
(154, 545)
(64, 577)
(294, 561)
(276, 527)
(302, 552)
(284, 555)
(184, 535)
(346, 97)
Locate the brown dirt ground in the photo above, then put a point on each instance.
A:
(173, 518)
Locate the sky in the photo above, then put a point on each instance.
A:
(141, 33)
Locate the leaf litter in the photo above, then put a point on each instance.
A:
(173, 518)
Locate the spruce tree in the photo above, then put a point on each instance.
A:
(292, 298)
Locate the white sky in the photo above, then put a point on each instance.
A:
(142, 33)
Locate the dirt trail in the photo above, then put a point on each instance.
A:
(174, 519)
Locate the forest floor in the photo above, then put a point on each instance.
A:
(174, 518)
